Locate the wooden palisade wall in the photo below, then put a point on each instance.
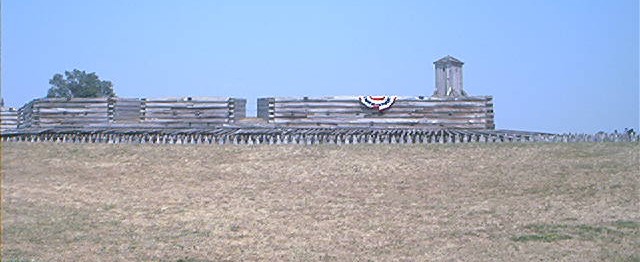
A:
(62, 112)
(346, 111)
(124, 112)
(8, 118)
(192, 111)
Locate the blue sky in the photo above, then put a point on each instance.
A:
(555, 66)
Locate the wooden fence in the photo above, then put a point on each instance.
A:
(8, 118)
(301, 136)
(131, 112)
(61, 112)
(192, 111)
(347, 111)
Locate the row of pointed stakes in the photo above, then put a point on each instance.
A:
(309, 139)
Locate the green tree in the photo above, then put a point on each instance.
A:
(79, 84)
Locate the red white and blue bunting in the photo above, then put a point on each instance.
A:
(379, 103)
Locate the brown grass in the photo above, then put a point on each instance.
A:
(512, 202)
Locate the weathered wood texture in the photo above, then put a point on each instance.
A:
(264, 104)
(449, 77)
(191, 111)
(25, 116)
(303, 136)
(62, 112)
(122, 112)
(125, 110)
(238, 108)
(8, 118)
(347, 111)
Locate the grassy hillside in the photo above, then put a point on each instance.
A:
(512, 202)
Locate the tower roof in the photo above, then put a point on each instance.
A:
(449, 60)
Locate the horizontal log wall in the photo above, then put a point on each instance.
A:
(123, 112)
(237, 109)
(62, 112)
(264, 106)
(189, 111)
(8, 118)
(423, 112)
(25, 116)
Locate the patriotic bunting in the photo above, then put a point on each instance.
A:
(379, 103)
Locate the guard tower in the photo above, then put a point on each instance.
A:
(449, 77)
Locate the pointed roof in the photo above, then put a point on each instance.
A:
(449, 60)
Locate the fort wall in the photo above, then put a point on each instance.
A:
(130, 112)
(347, 111)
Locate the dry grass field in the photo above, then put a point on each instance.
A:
(469, 202)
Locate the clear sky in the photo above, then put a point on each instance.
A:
(555, 66)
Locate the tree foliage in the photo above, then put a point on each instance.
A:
(79, 84)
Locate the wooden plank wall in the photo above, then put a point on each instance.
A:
(124, 112)
(347, 111)
(62, 112)
(8, 118)
(186, 111)
(237, 109)
(25, 116)
(264, 105)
